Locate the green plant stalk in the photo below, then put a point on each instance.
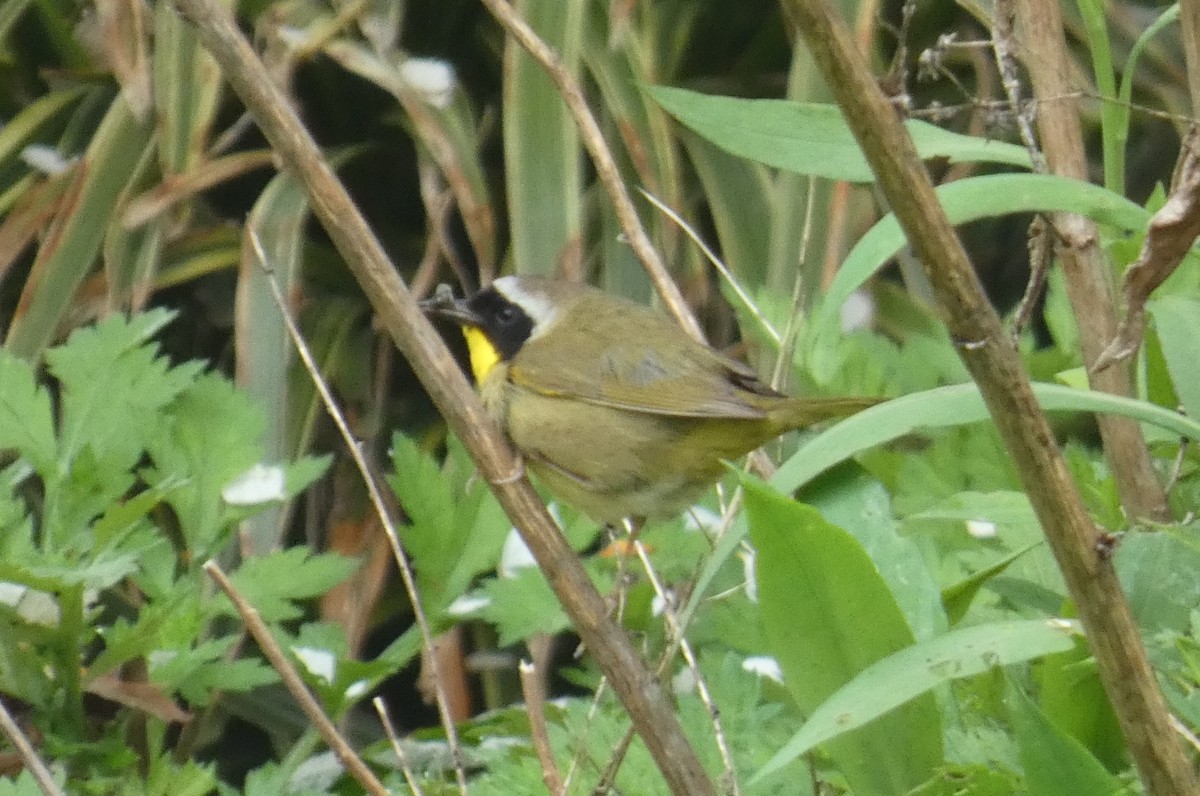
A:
(70, 643)
(1113, 144)
(987, 351)
(1123, 109)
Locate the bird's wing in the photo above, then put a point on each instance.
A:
(630, 374)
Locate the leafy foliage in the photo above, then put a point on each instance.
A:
(121, 189)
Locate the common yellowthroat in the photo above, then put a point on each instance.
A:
(616, 410)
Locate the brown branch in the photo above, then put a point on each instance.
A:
(295, 685)
(535, 706)
(29, 756)
(417, 340)
(1085, 267)
(996, 367)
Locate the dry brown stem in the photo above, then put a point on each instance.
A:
(1172, 231)
(1089, 286)
(295, 685)
(996, 367)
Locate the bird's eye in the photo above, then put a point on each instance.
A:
(506, 315)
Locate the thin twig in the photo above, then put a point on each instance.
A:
(535, 707)
(394, 739)
(790, 330)
(29, 756)
(295, 685)
(689, 657)
(734, 285)
(602, 158)
(377, 502)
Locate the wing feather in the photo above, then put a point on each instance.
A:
(629, 373)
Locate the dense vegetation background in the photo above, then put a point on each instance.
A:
(902, 628)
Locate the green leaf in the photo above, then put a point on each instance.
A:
(1055, 763)
(25, 421)
(524, 604)
(451, 536)
(828, 615)
(922, 667)
(944, 407)
(813, 138)
(971, 199)
(862, 506)
(1175, 321)
(542, 153)
(957, 597)
(272, 583)
(114, 385)
(1073, 699)
(1158, 572)
(73, 241)
(211, 436)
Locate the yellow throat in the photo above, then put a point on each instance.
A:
(484, 355)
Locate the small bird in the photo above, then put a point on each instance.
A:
(617, 411)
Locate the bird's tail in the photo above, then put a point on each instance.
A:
(799, 412)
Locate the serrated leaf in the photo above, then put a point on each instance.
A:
(211, 436)
(272, 583)
(452, 536)
(25, 420)
(113, 381)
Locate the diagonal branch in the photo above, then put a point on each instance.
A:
(633, 682)
(996, 367)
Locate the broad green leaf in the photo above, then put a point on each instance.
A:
(974, 198)
(1158, 572)
(943, 407)
(1055, 763)
(828, 615)
(918, 669)
(813, 138)
(1006, 508)
(261, 343)
(542, 153)
(862, 506)
(1175, 321)
(1072, 697)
